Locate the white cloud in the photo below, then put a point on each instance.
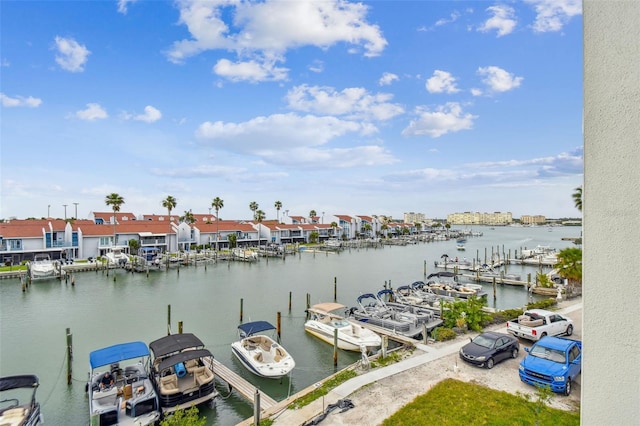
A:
(72, 56)
(252, 71)
(476, 92)
(452, 18)
(387, 78)
(92, 112)
(445, 119)
(502, 21)
(441, 82)
(297, 141)
(316, 66)
(123, 5)
(19, 101)
(268, 29)
(151, 115)
(552, 15)
(353, 102)
(498, 79)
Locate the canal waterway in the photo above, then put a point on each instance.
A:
(102, 310)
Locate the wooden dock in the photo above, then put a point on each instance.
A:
(244, 388)
(499, 280)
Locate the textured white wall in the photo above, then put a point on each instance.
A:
(611, 213)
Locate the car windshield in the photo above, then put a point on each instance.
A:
(547, 353)
(484, 341)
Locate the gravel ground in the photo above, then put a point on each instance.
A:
(375, 402)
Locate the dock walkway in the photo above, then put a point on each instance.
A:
(243, 387)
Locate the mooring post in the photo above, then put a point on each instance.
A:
(168, 320)
(335, 289)
(256, 408)
(494, 289)
(424, 269)
(179, 327)
(69, 356)
(289, 301)
(241, 303)
(335, 347)
(279, 325)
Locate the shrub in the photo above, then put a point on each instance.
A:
(441, 334)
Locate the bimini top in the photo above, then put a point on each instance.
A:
(249, 328)
(174, 343)
(17, 382)
(117, 353)
(183, 357)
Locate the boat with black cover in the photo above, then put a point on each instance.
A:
(182, 371)
(18, 403)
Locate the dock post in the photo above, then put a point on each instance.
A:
(256, 408)
(279, 325)
(335, 289)
(529, 280)
(241, 303)
(179, 327)
(69, 356)
(308, 300)
(289, 302)
(383, 347)
(424, 269)
(494, 289)
(425, 336)
(168, 320)
(335, 347)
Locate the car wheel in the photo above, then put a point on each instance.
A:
(490, 363)
(543, 335)
(514, 353)
(569, 330)
(567, 388)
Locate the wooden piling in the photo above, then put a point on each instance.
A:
(168, 320)
(335, 347)
(241, 313)
(494, 289)
(256, 408)
(335, 289)
(179, 327)
(69, 356)
(289, 301)
(279, 325)
(424, 269)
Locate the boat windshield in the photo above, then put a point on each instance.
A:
(340, 323)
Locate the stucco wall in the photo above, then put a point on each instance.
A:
(611, 208)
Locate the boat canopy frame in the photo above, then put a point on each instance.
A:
(174, 343)
(250, 328)
(117, 353)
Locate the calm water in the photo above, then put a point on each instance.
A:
(101, 311)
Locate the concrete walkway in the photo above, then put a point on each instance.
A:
(429, 353)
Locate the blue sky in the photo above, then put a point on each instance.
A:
(365, 108)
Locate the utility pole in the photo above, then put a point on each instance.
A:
(76, 216)
(65, 211)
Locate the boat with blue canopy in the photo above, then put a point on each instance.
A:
(260, 353)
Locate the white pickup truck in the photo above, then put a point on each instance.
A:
(535, 324)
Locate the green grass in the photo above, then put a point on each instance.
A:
(336, 380)
(452, 402)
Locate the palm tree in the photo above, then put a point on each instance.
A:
(312, 214)
(334, 226)
(188, 217)
(367, 229)
(570, 265)
(259, 216)
(278, 206)
(217, 204)
(169, 203)
(253, 206)
(577, 198)
(115, 201)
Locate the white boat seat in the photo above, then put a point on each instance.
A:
(106, 393)
(169, 385)
(191, 365)
(203, 375)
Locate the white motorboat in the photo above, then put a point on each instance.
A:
(42, 268)
(261, 354)
(244, 254)
(182, 371)
(444, 283)
(127, 396)
(117, 257)
(323, 321)
(18, 403)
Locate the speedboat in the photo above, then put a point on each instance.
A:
(444, 284)
(42, 268)
(261, 354)
(117, 257)
(14, 409)
(373, 310)
(182, 371)
(323, 322)
(128, 397)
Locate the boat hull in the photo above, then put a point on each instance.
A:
(276, 371)
(345, 343)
